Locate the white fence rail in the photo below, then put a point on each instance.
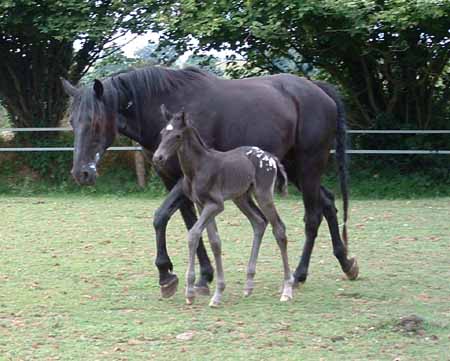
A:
(132, 148)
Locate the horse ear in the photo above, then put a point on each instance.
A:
(68, 88)
(184, 121)
(98, 88)
(165, 113)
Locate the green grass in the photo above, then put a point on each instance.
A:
(77, 282)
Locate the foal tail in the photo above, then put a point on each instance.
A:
(282, 179)
(341, 148)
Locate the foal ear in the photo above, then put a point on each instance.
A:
(184, 120)
(68, 88)
(98, 88)
(165, 113)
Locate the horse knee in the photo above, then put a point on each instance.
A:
(160, 219)
(312, 223)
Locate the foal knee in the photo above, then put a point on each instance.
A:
(279, 232)
(193, 236)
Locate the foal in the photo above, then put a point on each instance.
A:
(212, 177)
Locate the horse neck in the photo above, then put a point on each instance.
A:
(192, 153)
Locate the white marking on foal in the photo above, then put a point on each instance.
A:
(169, 127)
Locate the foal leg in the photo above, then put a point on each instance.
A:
(187, 210)
(209, 211)
(175, 200)
(259, 224)
(349, 266)
(265, 201)
(216, 247)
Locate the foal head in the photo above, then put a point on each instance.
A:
(172, 135)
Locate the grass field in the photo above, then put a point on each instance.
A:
(77, 282)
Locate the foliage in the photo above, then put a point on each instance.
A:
(40, 41)
(391, 57)
(207, 62)
(78, 283)
(156, 54)
(4, 118)
(114, 63)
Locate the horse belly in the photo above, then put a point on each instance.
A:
(236, 178)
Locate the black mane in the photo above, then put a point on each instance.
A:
(153, 80)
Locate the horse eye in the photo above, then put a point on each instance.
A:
(178, 136)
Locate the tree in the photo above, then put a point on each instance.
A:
(389, 56)
(37, 46)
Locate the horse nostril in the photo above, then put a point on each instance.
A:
(84, 175)
(158, 158)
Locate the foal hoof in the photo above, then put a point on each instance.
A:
(168, 289)
(202, 290)
(214, 304)
(353, 272)
(285, 298)
(248, 292)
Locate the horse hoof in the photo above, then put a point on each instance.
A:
(285, 298)
(168, 289)
(202, 290)
(352, 274)
(190, 300)
(296, 284)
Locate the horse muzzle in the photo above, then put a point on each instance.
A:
(159, 159)
(86, 175)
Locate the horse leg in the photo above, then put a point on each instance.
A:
(206, 270)
(216, 246)
(265, 201)
(168, 281)
(349, 266)
(209, 211)
(309, 178)
(259, 224)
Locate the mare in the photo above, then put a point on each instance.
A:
(295, 119)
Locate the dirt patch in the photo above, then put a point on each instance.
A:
(412, 325)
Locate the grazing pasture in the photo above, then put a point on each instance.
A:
(77, 282)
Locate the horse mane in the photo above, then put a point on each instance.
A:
(136, 85)
(153, 80)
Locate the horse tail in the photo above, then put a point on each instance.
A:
(341, 148)
(282, 179)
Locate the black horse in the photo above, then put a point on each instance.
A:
(295, 119)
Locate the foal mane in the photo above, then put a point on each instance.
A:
(197, 136)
